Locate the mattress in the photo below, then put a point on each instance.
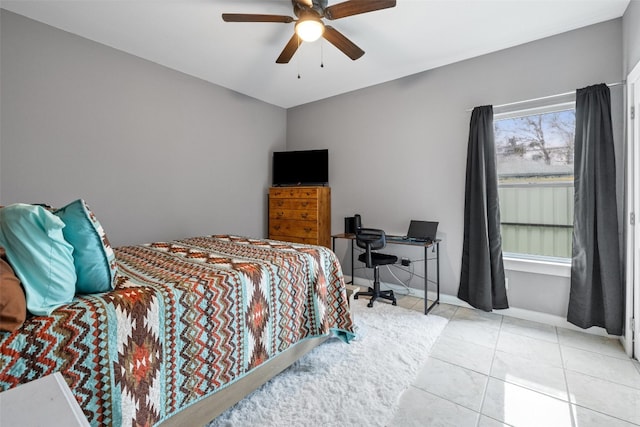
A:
(186, 319)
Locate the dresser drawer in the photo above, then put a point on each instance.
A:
(282, 227)
(289, 204)
(293, 214)
(294, 193)
(296, 239)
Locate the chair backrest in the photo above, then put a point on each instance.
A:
(370, 239)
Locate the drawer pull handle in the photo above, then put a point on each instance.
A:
(304, 215)
(280, 214)
(307, 229)
(305, 204)
(277, 227)
(280, 203)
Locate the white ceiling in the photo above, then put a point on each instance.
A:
(416, 35)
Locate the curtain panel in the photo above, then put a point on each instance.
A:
(482, 282)
(596, 296)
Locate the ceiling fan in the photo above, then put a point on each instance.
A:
(309, 26)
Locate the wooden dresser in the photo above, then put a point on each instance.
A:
(300, 215)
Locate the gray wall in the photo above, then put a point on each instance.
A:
(631, 36)
(398, 150)
(157, 154)
(160, 155)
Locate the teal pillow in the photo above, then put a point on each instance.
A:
(93, 257)
(40, 256)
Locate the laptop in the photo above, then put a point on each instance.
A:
(422, 231)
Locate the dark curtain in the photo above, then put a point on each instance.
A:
(596, 297)
(482, 274)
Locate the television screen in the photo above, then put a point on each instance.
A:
(301, 167)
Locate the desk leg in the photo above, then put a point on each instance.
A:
(438, 272)
(428, 308)
(352, 278)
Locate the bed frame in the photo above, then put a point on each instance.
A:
(209, 408)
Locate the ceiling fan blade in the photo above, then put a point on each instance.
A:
(289, 50)
(250, 17)
(337, 39)
(356, 7)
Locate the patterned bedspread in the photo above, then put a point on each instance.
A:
(186, 319)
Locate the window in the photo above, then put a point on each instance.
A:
(534, 153)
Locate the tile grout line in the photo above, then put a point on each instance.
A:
(568, 401)
(590, 408)
(600, 353)
(596, 377)
(566, 382)
(573, 415)
(572, 412)
(430, 356)
(454, 364)
(486, 386)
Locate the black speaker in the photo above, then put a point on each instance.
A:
(351, 224)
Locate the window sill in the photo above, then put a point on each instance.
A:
(535, 266)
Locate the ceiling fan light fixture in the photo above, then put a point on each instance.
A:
(310, 30)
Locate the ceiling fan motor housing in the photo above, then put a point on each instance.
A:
(317, 7)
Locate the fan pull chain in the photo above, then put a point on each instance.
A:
(321, 53)
(298, 60)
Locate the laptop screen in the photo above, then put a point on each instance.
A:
(422, 230)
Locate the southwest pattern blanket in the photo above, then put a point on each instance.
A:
(186, 319)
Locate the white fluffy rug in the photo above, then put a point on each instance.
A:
(340, 384)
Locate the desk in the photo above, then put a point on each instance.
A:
(399, 241)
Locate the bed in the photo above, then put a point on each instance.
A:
(191, 327)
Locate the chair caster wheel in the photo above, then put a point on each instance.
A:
(394, 303)
(370, 304)
(355, 296)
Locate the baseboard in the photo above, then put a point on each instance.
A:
(519, 313)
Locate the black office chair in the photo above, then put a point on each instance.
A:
(372, 239)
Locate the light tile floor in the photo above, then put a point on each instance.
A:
(490, 370)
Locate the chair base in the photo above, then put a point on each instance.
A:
(376, 293)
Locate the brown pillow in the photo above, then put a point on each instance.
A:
(13, 305)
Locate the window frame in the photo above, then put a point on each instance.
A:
(525, 263)
(530, 263)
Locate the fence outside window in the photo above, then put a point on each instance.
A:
(537, 218)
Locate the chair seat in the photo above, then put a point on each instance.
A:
(378, 259)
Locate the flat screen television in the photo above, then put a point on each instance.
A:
(307, 167)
